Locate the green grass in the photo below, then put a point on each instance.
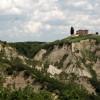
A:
(79, 38)
(29, 49)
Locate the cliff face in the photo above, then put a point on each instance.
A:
(74, 58)
(9, 53)
(75, 61)
(67, 60)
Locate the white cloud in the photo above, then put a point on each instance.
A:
(5, 4)
(32, 26)
(77, 3)
(31, 18)
(15, 6)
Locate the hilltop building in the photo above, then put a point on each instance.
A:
(81, 32)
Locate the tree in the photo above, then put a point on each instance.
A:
(97, 33)
(72, 31)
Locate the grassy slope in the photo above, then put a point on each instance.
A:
(29, 49)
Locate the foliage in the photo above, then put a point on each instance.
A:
(96, 85)
(79, 38)
(15, 66)
(74, 92)
(69, 91)
(24, 94)
(28, 49)
(46, 65)
(60, 64)
(89, 55)
(72, 31)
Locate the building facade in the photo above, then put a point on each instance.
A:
(82, 32)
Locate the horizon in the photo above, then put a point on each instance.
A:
(75, 35)
(46, 20)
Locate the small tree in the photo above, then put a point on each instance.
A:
(72, 31)
(97, 33)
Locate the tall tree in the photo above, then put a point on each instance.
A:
(72, 31)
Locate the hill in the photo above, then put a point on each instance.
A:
(67, 69)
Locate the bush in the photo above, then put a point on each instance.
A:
(24, 94)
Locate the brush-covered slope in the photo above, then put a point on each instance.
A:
(67, 69)
(72, 59)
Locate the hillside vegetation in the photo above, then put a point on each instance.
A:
(67, 69)
(29, 49)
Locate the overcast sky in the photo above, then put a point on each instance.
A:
(46, 20)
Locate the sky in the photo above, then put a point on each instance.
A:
(46, 20)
